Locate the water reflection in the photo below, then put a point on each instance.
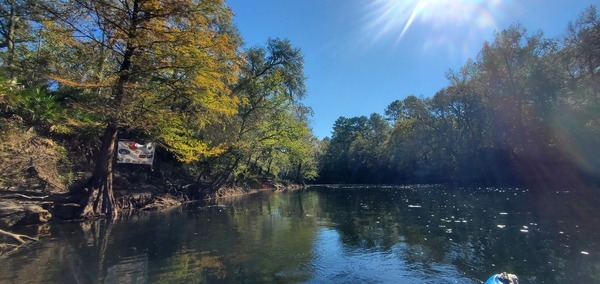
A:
(419, 234)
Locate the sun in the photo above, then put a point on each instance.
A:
(397, 17)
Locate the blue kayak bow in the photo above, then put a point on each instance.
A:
(503, 278)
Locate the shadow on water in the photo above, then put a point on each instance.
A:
(360, 234)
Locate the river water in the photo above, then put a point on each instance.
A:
(334, 234)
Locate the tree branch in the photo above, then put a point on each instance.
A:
(18, 237)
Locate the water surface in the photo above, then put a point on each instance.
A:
(335, 234)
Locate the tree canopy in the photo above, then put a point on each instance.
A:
(172, 72)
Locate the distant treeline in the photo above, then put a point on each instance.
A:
(526, 109)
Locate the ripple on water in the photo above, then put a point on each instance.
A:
(128, 270)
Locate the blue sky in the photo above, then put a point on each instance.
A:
(360, 55)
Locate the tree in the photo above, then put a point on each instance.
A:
(269, 135)
(578, 119)
(462, 124)
(411, 140)
(335, 164)
(15, 30)
(581, 44)
(369, 149)
(158, 67)
(356, 151)
(393, 111)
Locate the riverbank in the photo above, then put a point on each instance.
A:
(25, 207)
(25, 213)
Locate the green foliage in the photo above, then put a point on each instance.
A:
(39, 105)
(167, 71)
(166, 75)
(179, 78)
(269, 136)
(356, 151)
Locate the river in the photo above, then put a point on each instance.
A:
(333, 234)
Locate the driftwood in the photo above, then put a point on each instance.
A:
(20, 213)
(17, 212)
(8, 248)
(29, 197)
(22, 239)
(162, 202)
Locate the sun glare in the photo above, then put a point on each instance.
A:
(396, 18)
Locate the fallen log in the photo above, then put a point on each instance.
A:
(13, 213)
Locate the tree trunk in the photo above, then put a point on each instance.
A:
(226, 174)
(299, 178)
(99, 200)
(10, 43)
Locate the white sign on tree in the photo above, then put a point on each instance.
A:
(131, 152)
